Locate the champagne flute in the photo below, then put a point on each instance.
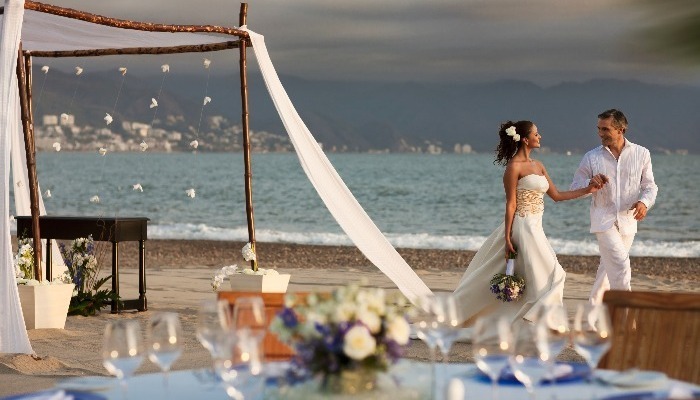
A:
(122, 350)
(492, 344)
(591, 335)
(529, 360)
(164, 341)
(213, 317)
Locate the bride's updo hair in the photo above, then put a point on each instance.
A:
(507, 146)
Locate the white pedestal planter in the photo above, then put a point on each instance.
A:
(45, 306)
(260, 283)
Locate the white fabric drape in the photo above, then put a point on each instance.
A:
(13, 334)
(330, 187)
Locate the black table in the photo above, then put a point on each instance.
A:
(104, 229)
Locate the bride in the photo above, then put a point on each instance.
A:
(525, 181)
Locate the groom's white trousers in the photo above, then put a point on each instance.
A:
(614, 271)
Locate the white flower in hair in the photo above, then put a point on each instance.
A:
(57, 146)
(108, 118)
(154, 103)
(511, 132)
(122, 70)
(78, 70)
(143, 146)
(102, 151)
(207, 99)
(45, 69)
(194, 144)
(190, 193)
(47, 194)
(165, 68)
(138, 187)
(95, 199)
(207, 62)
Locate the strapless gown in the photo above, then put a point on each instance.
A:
(536, 262)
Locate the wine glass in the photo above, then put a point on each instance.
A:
(250, 323)
(555, 321)
(492, 344)
(238, 362)
(425, 325)
(164, 341)
(122, 350)
(530, 358)
(591, 334)
(213, 317)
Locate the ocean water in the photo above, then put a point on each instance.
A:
(417, 200)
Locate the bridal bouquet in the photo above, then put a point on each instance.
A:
(352, 332)
(508, 287)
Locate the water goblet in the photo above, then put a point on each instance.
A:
(530, 358)
(213, 317)
(555, 322)
(122, 350)
(164, 341)
(492, 344)
(591, 335)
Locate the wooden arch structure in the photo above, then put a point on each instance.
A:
(238, 38)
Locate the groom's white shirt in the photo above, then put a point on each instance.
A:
(630, 179)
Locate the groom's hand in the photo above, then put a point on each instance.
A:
(599, 180)
(640, 210)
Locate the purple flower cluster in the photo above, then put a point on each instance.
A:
(507, 288)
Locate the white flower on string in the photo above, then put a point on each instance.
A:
(78, 70)
(190, 193)
(154, 103)
(207, 63)
(138, 187)
(108, 118)
(64, 117)
(165, 68)
(102, 151)
(207, 99)
(95, 199)
(143, 146)
(248, 252)
(57, 146)
(45, 69)
(47, 194)
(222, 274)
(122, 70)
(194, 144)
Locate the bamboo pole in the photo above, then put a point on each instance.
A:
(246, 138)
(126, 24)
(24, 81)
(196, 48)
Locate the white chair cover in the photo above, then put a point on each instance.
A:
(330, 187)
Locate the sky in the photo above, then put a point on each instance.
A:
(448, 41)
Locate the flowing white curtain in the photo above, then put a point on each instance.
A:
(13, 334)
(330, 187)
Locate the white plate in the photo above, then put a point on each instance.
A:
(87, 383)
(632, 378)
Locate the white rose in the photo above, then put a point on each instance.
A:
(359, 343)
(371, 319)
(399, 330)
(344, 312)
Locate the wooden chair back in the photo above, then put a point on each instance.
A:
(655, 331)
(274, 302)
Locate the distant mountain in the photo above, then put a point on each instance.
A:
(359, 116)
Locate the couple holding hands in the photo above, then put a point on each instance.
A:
(617, 175)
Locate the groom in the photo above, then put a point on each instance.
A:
(626, 198)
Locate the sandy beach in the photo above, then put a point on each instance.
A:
(179, 276)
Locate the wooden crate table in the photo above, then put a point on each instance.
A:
(103, 229)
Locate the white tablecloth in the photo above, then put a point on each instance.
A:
(409, 379)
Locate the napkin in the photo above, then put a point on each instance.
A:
(58, 395)
(559, 371)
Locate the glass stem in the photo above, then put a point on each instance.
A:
(433, 382)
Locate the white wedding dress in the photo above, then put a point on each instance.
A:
(536, 262)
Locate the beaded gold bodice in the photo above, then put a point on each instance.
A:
(530, 195)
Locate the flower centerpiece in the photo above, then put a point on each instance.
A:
(346, 338)
(265, 280)
(83, 270)
(44, 303)
(508, 286)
